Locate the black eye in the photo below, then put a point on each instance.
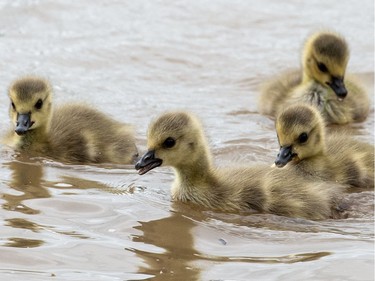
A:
(13, 106)
(169, 143)
(303, 138)
(322, 67)
(39, 104)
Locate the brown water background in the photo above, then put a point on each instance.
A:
(133, 60)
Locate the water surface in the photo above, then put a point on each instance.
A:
(133, 60)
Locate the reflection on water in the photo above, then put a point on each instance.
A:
(26, 178)
(23, 223)
(174, 260)
(23, 243)
(176, 257)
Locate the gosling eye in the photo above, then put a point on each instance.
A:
(303, 138)
(169, 143)
(322, 67)
(39, 104)
(13, 106)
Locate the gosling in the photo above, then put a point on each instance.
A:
(335, 157)
(321, 82)
(177, 139)
(72, 133)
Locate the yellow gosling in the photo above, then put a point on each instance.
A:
(177, 139)
(72, 133)
(305, 146)
(322, 82)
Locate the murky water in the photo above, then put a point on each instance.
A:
(133, 60)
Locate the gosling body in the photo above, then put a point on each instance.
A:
(72, 133)
(177, 139)
(305, 146)
(322, 82)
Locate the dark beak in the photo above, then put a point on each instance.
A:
(23, 123)
(338, 86)
(285, 155)
(147, 162)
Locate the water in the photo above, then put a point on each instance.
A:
(133, 60)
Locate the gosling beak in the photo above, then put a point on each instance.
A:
(147, 162)
(284, 156)
(338, 86)
(23, 123)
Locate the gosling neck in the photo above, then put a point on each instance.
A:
(193, 178)
(306, 74)
(317, 157)
(197, 171)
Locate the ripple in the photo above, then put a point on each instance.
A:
(292, 258)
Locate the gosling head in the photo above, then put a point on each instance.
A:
(325, 58)
(30, 104)
(300, 132)
(174, 139)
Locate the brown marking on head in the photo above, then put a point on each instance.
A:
(187, 133)
(295, 119)
(297, 116)
(298, 120)
(325, 58)
(33, 96)
(331, 46)
(170, 122)
(26, 87)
